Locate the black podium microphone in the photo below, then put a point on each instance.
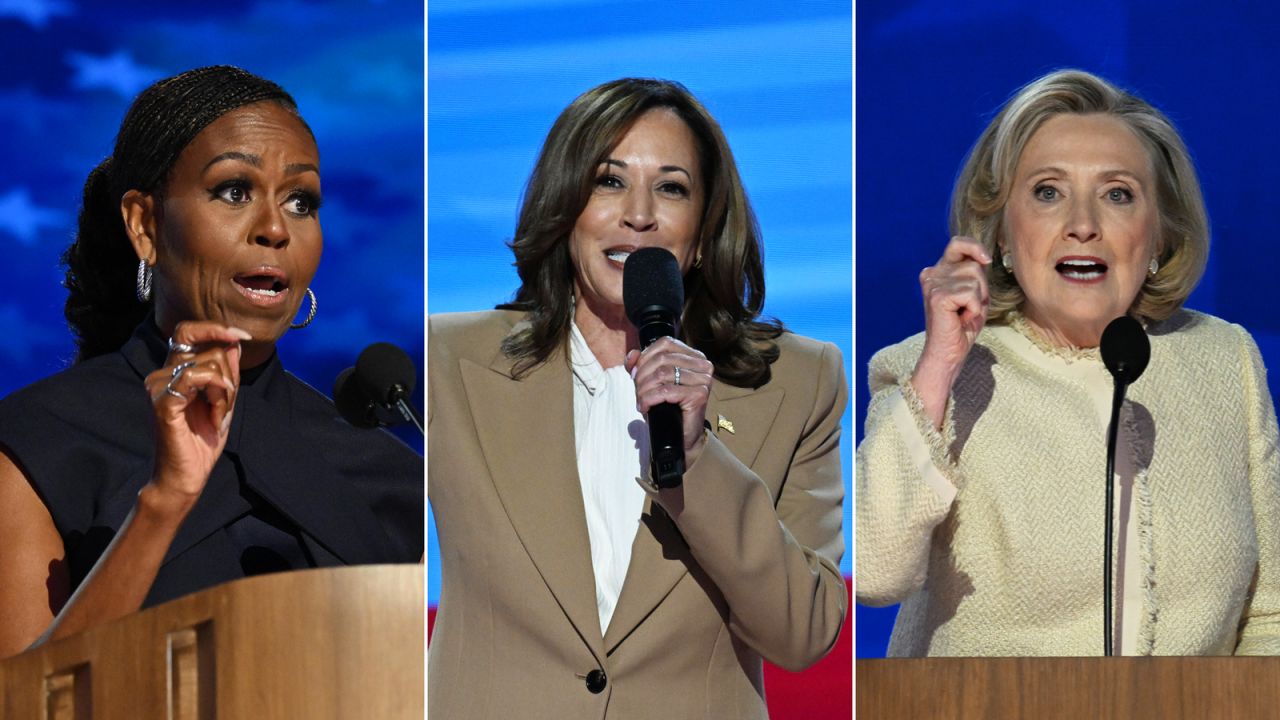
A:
(652, 295)
(376, 391)
(1126, 352)
(354, 405)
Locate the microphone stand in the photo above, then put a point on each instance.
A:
(409, 413)
(1116, 401)
(1125, 351)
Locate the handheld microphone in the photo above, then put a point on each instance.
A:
(1125, 351)
(652, 295)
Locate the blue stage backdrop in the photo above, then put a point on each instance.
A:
(776, 75)
(355, 68)
(931, 74)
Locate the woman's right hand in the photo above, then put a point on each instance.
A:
(193, 396)
(955, 310)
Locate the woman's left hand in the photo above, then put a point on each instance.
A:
(654, 371)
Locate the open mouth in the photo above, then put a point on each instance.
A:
(261, 284)
(1081, 269)
(617, 255)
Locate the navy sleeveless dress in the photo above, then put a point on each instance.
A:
(296, 486)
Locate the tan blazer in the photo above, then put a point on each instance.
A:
(741, 564)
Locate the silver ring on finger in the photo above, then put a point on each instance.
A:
(181, 368)
(180, 347)
(169, 388)
(677, 374)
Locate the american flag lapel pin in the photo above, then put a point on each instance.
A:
(724, 423)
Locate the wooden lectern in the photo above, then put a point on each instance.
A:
(327, 644)
(1169, 688)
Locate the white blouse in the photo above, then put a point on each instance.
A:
(612, 444)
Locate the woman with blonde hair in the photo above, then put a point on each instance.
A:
(979, 502)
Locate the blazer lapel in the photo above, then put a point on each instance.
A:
(536, 477)
(747, 415)
(659, 555)
(659, 558)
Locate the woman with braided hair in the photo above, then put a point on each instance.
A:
(177, 453)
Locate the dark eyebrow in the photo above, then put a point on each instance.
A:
(664, 168)
(676, 168)
(253, 160)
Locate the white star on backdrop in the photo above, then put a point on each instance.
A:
(117, 72)
(35, 13)
(23, 219)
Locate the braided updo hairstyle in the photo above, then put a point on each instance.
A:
(102, 307)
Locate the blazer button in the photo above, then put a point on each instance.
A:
(596, 680)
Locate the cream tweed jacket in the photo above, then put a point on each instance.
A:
(990, 532)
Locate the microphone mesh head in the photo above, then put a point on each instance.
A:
(352, 403)
(651, 277)
(381, 367)
(1125, 349)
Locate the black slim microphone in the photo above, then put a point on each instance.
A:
(1126, 352)
(653, 294)
(1125, 349)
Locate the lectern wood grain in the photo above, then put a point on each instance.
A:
(327, 644)
(1169, 688)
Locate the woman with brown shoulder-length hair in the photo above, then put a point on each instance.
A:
(568, 576)
(724, 290)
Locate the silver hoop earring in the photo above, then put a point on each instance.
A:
(311, 314)
(1007, 261)
(143, 290)
(1153, 267)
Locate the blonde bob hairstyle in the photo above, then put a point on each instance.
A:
(982, 189)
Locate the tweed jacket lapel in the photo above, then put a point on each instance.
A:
(659, 556)
(536, 477)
